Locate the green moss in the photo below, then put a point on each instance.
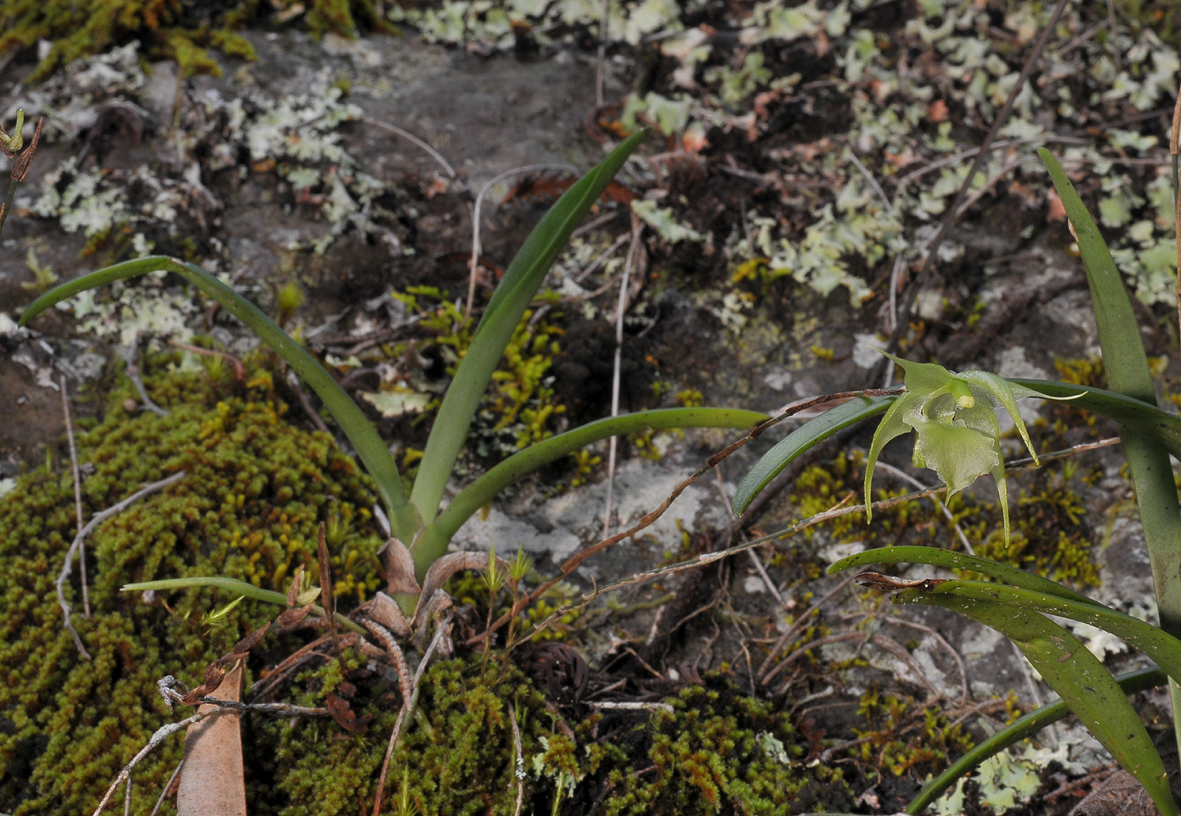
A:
(255, 491)
(167, 29)
(901, 738)
(455, 759)
(822, 486)
(721, 752)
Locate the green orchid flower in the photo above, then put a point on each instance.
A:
(955, 423)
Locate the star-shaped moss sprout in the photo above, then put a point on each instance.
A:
(955, 423)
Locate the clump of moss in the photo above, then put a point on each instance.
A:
(902, 738)
(455, 759)
(1049, 536)
(256, 489)
(166, 30)
(719, 751)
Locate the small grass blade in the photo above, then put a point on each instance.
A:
(237, 587)
(799, 441)
(953, 560)
(512, 296)
(1078, 677)
(434, 539)
(369, 446)
(1018, 730)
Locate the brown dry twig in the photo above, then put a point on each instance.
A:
(409, 688)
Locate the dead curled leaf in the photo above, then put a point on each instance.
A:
(338, 706)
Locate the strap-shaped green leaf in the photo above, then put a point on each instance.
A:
(1078, 677)
(238, 588)
(369, 446)
(953, 560)
(435, 538)
(799, 441)
(1018, 730)
(1124, 361)
(1162, 428)
(1162, 647)
(1126, 366)
(512, 296)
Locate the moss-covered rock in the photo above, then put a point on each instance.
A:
(720, 752)
(256, 488)
(179, 30)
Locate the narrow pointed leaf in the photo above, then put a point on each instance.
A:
(1162, 428)
(1124, 360)
(1126, 366)
(953, 560)
(435, 538)
(512, 296)
(1020, 729)
(890, 427)
(800, 441)
(369, 446)
(1078, 677)
(1163, 648)
(237, 587)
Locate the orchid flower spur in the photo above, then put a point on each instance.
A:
(955, 423)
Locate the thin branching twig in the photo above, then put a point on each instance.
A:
(410, 137)
(98, 519)
(647, 520)
(161, 734)
(518, 761)
(408, 686)
(77, 496)
(167, 786)
(637, 230)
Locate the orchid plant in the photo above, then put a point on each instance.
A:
(421, 528)
(957, 434)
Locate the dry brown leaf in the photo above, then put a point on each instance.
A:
(211, 783)
(293, 616)
(1057, 211)
(385, 610)
(399, 567)
(338, 706)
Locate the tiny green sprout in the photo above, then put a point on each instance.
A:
(337, 529)
(43, 274)
(494, 578)
(520, 566)
(289, 298)
(955, 423)
(217, 616)
(405, 806)
(215, 367)
(11, 145)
